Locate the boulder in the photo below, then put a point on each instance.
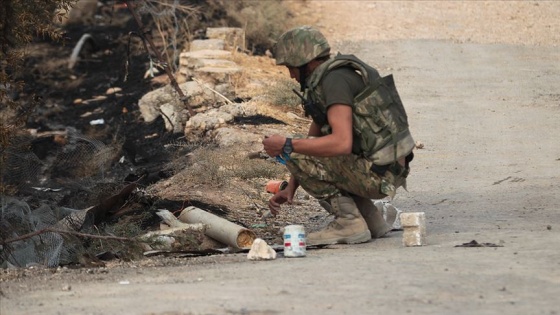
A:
(167, 100)
(233, 37)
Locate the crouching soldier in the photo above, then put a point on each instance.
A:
(358, 145)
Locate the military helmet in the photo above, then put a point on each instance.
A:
(299, 46)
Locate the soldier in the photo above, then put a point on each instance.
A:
(358, 145)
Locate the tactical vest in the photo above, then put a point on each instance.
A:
(380, 123)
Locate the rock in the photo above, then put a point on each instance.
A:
(232, 36)
(240, 109)
(82, 12)
(213, 63)
(113, 90)
(186, 56)
(260, 250)
(172, 118)
(150, 103)
(215, 75)
(191, 60)
(207, 44)
(208, 120)
(166, 98)
(225, 89)
(227, 137)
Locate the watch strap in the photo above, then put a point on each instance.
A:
(288, 147)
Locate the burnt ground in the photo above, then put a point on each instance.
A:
(68, 97)
(103, 65)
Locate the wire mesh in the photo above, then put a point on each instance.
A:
(32, 164)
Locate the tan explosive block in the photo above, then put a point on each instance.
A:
(414, 228)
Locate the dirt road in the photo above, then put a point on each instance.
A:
(480, 83)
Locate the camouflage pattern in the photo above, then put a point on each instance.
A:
(327, 177)
(380, 123)
(299, 46)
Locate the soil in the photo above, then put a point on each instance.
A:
(480, 84)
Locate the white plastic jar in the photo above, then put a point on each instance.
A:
(294, 241)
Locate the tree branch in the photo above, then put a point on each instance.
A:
(159, 57)
(51, 230)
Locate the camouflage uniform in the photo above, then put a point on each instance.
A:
(326, 177)
(346, 184)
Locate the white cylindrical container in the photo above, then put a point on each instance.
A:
(294, 241)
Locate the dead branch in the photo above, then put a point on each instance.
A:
(294, 116)
(211, 89)
(51, 230)
(168, 119)
(159, 57)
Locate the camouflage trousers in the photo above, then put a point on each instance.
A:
(327, 177)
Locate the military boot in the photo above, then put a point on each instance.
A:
(348, 227)
(373, 216)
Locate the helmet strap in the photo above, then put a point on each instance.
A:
(302, 77)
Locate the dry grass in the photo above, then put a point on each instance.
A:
(170, 26)
(261, 77)
(219, 166)
(263, 21)
(282, 94)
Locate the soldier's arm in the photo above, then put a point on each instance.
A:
(339, 142)
(314, 130)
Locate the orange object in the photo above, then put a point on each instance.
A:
(275, 186)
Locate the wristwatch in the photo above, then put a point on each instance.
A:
(288, 148)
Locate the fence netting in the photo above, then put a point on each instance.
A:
(38, 174)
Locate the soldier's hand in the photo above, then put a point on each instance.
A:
(273, 145)
(277, 200)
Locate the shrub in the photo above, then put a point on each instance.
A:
(20, 22)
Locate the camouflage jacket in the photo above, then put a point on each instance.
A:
(379, 121)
